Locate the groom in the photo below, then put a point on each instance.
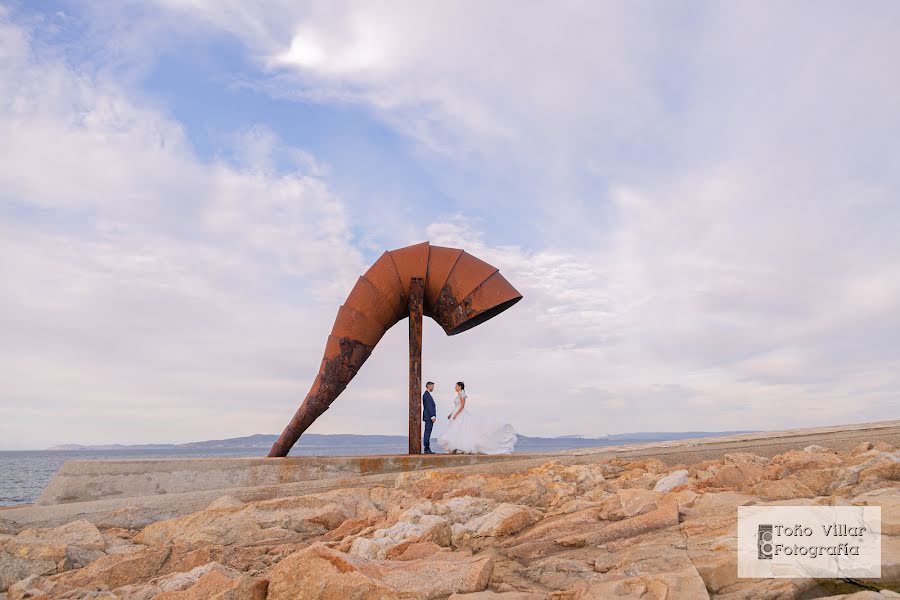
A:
(429, 415)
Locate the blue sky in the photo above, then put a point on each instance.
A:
(698, 202)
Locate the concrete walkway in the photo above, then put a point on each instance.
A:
(138, 511)
(88, 480)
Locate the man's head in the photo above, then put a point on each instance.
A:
(429, 386)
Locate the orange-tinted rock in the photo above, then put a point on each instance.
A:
(118, 570)
(216, 585)
(321, 573)
(665, 515)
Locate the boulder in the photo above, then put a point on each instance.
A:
(462, 509)
(418, 550)
(885, 468)
(33, 586)
(81, 533)
(863, 447)
(489, 595)
(683, 584)
(77, 558)
(665, 515)
(718, 569)
(505, 519)
(414, 528)
(781, 489)
(796, 460)
(32, 549)
(671, 481)
(115, 571)
(21, 557)
(889, 501)
(261, 522)
(638, 501)
(553, 527)
(14, 568)
(218, 585)
(864, 595)
(175, 582)
(322, 573)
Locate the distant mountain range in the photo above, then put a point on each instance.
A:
(344, 441)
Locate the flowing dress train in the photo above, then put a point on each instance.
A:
(476, 434)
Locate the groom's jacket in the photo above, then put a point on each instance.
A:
(428, 409)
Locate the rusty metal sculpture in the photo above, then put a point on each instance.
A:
(454, 288)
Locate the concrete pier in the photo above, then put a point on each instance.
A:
(89, 480)
(134, 493)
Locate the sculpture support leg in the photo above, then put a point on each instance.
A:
(416, 294)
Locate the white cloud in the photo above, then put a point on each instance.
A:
(143, 289)
(699, 205)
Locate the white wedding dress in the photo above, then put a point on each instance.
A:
(473, 434)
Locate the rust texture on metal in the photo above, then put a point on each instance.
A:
(416, 301)
(459, 291)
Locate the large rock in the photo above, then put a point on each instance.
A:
(321, 573)
(458, 519)
(539, 540)
(545, 487)
(36, 587)
(218, 585)
(118, 570)
(261, 522)
(665, 515)
(81, 533)
(413, 528)
(14, 568)
(461, 509)
(21, 557)
(782, 489)
(176, 582)
(684, 584)
(489, 595)
(637, 501)
(889, 501)
(503, 520)
(671, 481)
(736, 471)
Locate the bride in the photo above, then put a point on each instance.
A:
(469, 433)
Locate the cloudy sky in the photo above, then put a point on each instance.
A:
(699, 202)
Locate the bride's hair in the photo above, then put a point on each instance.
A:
(461, 385)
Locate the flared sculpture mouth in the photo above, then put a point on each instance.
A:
(483, 316)
(489, 298)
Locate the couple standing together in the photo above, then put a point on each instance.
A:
(465, 432)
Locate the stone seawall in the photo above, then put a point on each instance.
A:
(90, 480)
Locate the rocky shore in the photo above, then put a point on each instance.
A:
(618, 528)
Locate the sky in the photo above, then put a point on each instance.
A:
(699, 202)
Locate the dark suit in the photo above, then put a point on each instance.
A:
(428, 411)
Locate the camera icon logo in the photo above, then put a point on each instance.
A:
(764, 542)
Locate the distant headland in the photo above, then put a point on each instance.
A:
(343, 440)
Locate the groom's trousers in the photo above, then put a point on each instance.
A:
(427, 435)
